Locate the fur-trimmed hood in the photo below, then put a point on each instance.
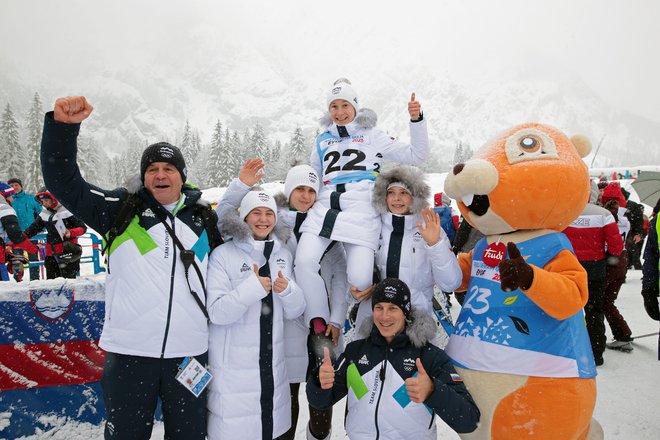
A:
(365, 118)
(412, 177)
(236, 228)
(420, 327)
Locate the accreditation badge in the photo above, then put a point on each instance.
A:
(193, 375)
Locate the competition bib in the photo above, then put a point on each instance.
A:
(352, 155)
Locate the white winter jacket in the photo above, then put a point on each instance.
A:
(353, 161)
(333, 272)
(246, 349)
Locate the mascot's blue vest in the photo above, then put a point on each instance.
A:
(507, 332)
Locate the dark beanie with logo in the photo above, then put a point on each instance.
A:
(392, 290)
(163, 152)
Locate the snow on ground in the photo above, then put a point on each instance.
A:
(628, 394)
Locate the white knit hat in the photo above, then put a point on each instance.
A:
(257, 199)
(301, 175)
(342, 89)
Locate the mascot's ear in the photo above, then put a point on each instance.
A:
(582, 144)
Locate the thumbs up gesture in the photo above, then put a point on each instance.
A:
(420, 387)
(515, 273)
(265, 281)
(414, 108)
(72, 109)
(281, 283)
(326, 371)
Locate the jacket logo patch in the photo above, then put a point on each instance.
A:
(148, 213)
(245, 268)
(363, 360)
(281, 263)
(408, 364)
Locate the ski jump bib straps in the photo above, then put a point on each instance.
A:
(507, 332)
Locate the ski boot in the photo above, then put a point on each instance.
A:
(315, 343)
(624, 345)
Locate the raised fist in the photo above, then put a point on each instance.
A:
(72, 109)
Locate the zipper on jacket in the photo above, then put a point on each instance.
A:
(381, 375)
(169, 307)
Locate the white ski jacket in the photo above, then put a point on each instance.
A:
(249, 394)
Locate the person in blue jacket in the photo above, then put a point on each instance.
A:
(27, 210)
(395, 380)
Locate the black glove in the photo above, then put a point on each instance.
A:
(651, 304)
(514, 272)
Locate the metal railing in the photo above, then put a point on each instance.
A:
(94, 258)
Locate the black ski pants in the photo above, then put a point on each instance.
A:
(132, 386)
(594, 316)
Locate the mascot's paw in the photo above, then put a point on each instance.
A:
(514, 272)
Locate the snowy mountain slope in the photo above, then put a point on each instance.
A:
(153, 102)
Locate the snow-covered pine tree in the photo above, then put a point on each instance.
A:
(235, 146)
(458, 154)
(33, 179)
(195, 174)
(186, 144)
(467, 153)
(260, 144)
(129, 159)
(220, 169)
(14, 157)
(298, 150)
(278, 168)
(90, 162)
(246, 150)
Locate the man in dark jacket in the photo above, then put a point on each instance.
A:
(635, 239)
(395, 379)
(155, 315)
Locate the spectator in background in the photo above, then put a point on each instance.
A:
(651, 269)
(597, 243)
(10, 229)
(62, 249)
(448, 222)
(635, 239)
(613, 200)
(448, 218)
(27, 210)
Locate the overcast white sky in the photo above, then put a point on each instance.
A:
(612, 44)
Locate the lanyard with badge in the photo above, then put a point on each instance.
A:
(193, 375)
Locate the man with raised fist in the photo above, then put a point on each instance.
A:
(396, 380)
(155, 314)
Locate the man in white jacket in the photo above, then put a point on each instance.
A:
(154, 312)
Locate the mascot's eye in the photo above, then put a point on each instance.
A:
(530, 144)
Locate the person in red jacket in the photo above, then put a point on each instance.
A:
(597, 243)
(62, 228)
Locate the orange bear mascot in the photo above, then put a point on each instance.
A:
(520, 342)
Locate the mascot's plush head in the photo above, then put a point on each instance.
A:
(529, 177)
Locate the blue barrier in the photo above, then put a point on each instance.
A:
(95, 258)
